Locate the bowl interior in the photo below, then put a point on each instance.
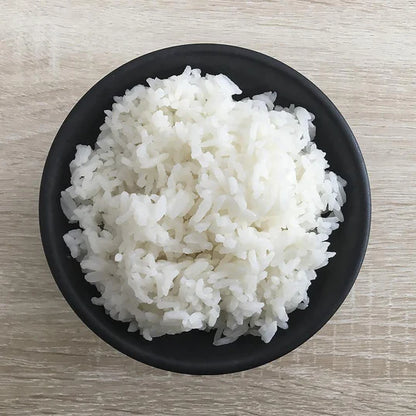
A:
(255, 73)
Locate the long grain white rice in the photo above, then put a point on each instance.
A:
(196, 211)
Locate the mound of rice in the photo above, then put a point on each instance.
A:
(196, 211)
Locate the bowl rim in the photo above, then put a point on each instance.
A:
(82, 310)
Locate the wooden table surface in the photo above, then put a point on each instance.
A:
(362, 54)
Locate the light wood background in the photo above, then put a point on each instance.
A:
(362, 54)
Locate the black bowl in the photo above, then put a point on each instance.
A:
(193, 352)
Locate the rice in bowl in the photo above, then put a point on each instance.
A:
(196, 211)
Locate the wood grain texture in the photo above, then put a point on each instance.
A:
(362, 54)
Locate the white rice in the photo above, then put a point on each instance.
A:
(196, 211)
